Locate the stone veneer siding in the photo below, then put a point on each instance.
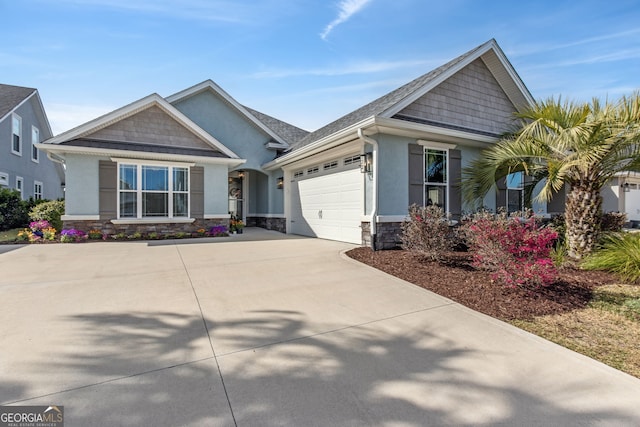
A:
(387, 236)
(107, 227)
(277, 224)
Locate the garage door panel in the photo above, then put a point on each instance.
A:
(328, 206)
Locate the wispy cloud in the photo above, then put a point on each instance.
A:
(204, 10)
(365, 67)
(346, 9)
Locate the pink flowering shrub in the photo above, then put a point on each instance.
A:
(514, 249)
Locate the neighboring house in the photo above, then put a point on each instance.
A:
(194, 158)
(23, 167)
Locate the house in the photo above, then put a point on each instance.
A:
(24, 124)
(195, 158)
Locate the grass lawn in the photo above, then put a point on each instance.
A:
(9, 235)
(608, 329)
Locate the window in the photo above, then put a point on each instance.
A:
(515, 192)
(4, 179)
(37, 190)
(20, 186)
(435, 177)
(35, 138)
(352, 160)
(16, 139)
(147, 191)
(312, 170)
(298, 174)
(330, 165)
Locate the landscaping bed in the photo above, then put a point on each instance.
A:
(587, 311)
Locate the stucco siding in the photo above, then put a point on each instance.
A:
(83, 186)
(470, 99)
(229, 126)
(216, 188)
(393, 178)
(276, 195)
(152, 126)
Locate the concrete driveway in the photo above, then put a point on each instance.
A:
(265, 330)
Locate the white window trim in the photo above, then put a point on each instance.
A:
(439, 147)
(35, 193)
(157, 219)
(35, 159)
(20, 180)
(13, 117)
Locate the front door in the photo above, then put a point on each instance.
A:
(236, 195)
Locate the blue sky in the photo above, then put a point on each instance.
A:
(307, 62)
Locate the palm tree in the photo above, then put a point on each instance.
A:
(558, 144)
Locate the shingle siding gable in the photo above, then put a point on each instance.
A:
(470, 99)
(151, 126)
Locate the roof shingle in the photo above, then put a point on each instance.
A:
(11, 97)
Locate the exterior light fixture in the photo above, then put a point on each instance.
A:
(366, 162)
(280, 183)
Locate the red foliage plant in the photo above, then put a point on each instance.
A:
(514, 249)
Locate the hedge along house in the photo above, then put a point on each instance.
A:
(195, 158)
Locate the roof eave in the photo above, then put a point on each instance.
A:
(136, 107)
(61, 150)
(322, 144)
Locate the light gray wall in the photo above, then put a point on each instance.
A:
(228, 126)
(393, 176)
(216, 188)
(276, 196)
(45, 171)
(83, 185)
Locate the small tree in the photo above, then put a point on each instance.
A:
(13, 211)
(427, 232)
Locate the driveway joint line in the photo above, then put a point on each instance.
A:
(206, 328)
(110, 380)
(337, 329)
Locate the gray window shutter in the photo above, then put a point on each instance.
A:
(455, 179)
(108, 177)
(416, 174)
(501, 193)
(197, 192)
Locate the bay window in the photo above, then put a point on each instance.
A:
(153, 191)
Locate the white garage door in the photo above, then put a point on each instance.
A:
(328, 203)
(632, 203)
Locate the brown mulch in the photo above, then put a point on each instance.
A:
(459, 281)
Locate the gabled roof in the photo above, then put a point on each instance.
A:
(11, 97)
(132, 109)
(388, 105)
(290, 133)
(210, 85)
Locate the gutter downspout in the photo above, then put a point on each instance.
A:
(374, 175)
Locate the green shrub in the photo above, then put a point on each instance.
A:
(13, 211)
(427, 232)
(50, 211)
(620, 254)
(613, 221)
